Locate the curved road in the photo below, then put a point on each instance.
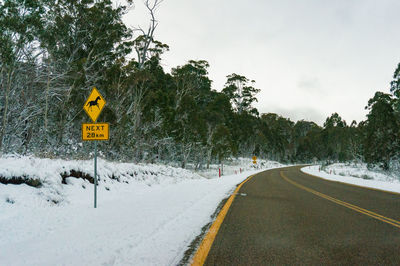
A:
(284, 216)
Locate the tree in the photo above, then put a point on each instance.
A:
(395, 83)
(310, 146)
(334, 121)
(280, 135)
(242, 94)
(20, 22)
(79, 53)
(381, 130)
(144, 41)
(303, 138)
(192, 78)
(138, 84)
(190, 128)
(192, 96)
(221, 142)
(218, 113)
(336, 139)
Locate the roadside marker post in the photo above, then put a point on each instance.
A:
(95, 131)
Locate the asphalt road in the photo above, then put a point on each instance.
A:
(285, 217)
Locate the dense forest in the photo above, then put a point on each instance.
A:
(53, 52)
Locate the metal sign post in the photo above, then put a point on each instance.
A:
(95, 174)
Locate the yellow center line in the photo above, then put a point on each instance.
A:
(345, 204)
(205, 246)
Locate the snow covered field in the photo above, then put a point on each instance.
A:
(357, 175)
(146, 215)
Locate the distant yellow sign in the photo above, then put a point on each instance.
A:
(97, 131)
(254, 158)
(254, 162)
(94, 104)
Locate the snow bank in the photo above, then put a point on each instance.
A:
(235, 165)
(357, 174)
(52, 173)
(149, 217)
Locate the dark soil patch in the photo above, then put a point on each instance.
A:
(113, 177)
(17, 180)
(53, 201)
(76, 174)
(9, 200)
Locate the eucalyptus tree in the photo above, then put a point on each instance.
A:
(395, 83)
(310, 146)
(135, 83)
(281, 136)
(241, 93)
(300, 132)
(395, 90)
(218, 114)
(191, 78)
(381, 141)
(81, 39)
(191, 97)
(20, 22)
(145, 41)
(355, 138)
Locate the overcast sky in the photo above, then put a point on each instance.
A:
(310, 58)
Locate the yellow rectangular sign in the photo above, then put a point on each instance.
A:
(96, 131)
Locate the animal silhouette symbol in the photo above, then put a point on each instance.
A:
(94, 103)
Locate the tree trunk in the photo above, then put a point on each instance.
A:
(4, 123)
(209, 144)
(209, 152)
(61, 125)
(186, 150)
(27, 137)
(46, 109)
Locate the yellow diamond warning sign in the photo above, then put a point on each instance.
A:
(97, 131)
(94, 104)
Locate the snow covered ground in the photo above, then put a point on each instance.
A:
(146, 215)
(233, 166)
(357, 174)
